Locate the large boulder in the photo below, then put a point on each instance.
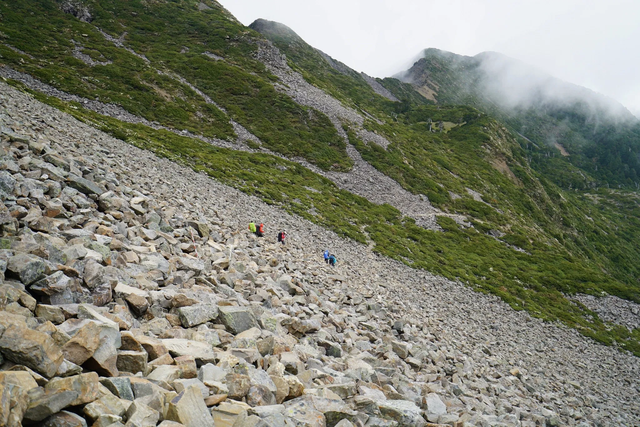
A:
(141, 415)
(237, 319)
(7, 184)
(65, 419)
(28, 268)
(404, 412)
(13, 404)
(202, 352)
(34, 349)
(198, 314)
(189, 409)
(86, 385)
(83, 344)
(84, 185)
(47, 403)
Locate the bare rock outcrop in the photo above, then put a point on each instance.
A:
(200, 322)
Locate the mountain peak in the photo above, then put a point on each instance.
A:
(274, 29)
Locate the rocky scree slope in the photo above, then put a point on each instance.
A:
(132, 295)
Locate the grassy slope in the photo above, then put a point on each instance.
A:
(603, 146)
(566, 252)
(174, 37)
(573, 244)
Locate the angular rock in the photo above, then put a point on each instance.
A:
(400, 348)
(166, 373)
(189, 409)
(237, 319)
(404, 412)
(435, 405)
(85, 385)
(83, 344)
(260, 395)
(201, 227)
(152, 346)
(187, 365)
(139, 414)
(229, 412)
(129, 342)
(138, 304)
(120, 387)
(46, 404)
(198, 314)
(108, 404)
(65, 419)
(54, 285)
(84, 185)
(132, 361)
(31, 348)
(303, 413)
(51, 313)
(28, 268)
(302, 327)
(182, 384)
(23, 379)
(203, 353)
(104, 359)
(238, 385)
(13, 404)
(7, 184)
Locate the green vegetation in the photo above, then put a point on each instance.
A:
(603, 142)
(534, 280)
(176, 38)
(539, 226)
(322, 71)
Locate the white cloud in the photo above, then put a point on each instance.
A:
(587, 42)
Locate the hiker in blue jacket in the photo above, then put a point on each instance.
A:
(326, 255)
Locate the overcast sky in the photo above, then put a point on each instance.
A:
(591, 43)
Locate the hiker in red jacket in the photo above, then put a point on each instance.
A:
(281, 236)
(260, 230)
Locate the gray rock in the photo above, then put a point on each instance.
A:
(84, 185)
(28, 268)
(119, 386)
(198, 314)
(202, 352)
(51, 313)
(139, 414)
(132, 361)
(85, 385)
(106, 405)
(237, 319)
(46, 404)
(31, 348)
(182, 384)
(404, 412)
(302, 412)
(189, 409)
(65, 419)
(435, 405)
(7, 184)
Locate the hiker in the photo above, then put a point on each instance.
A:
(281, 236)
(252, 227)
(260, 231)
(326, 255)
(332, 260)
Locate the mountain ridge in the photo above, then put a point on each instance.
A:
(499, 224)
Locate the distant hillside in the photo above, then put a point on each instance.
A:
(596, 133)
(458, 188)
